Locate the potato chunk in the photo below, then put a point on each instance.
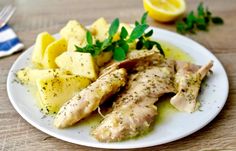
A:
(103, 58)
(52, 51)
(42, 41)
(74, 29)
(78, 63)
(55, 91)
(99, 29)
(72, 42)
(29, 76)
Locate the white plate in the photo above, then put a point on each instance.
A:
(176, 126)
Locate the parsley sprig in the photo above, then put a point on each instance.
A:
(120, 47)
(201, 21)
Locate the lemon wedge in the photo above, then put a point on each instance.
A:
(164, 10)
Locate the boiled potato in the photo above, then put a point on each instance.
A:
(52, 51)
(29, 76)
(75, 30)
(42, 41)
(100, 59)
(99, 29)
(103, 58)
(78, 63)
(72, 42)
(55, 91)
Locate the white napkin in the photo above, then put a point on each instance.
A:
(9, 42)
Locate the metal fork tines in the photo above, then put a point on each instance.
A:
(6, 14)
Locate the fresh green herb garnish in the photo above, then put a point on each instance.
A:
(114, 27)
(137, 32)
(143, 40)
(217, 20)
(119, 54)
(201, 21)
(123, 33)
(144, 18)
(120, 47)
(89, 38)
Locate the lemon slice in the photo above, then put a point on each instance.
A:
(164, 10)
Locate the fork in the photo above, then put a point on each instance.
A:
(6, 14)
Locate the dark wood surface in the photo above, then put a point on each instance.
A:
(33, 17)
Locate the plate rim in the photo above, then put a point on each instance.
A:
(113, 146)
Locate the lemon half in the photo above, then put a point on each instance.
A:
(164, 10)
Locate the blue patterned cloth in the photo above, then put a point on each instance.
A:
(9, 42)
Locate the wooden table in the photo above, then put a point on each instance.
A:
(33, 17)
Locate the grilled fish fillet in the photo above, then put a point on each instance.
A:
(87, 100)
(134, 110)
(188, 81)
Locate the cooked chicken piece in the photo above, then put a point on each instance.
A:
(188, 81)
(88, 100)
(134, 109)
(136, 59)
(130, 120)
